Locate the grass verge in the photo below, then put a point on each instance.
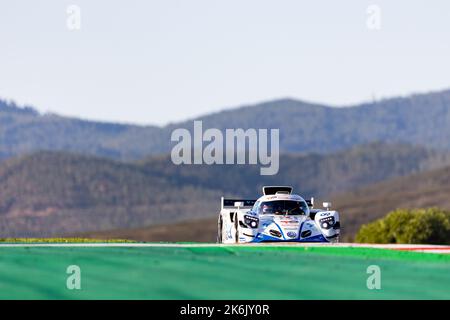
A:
(221, 273)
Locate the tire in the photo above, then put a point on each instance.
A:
(219, 230)
(236, 226)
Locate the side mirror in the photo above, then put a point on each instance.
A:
(310, 203)
(327, 205)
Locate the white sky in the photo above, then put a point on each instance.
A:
(152, 62)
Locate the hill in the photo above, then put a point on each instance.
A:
(428, 189)
(49, 194)
(53, 193)
(24, 131)
(195, 230)
(304, 127)
(311, 174)
(422, 190)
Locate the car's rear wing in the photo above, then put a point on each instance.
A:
(229, 203)
(236, 203)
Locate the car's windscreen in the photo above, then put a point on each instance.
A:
(283, 207)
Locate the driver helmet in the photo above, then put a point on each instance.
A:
(265, 208)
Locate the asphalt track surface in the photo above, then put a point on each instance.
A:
(208, 271)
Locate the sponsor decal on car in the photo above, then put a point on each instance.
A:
(288, 221)
(275, 233)
(228, 234)
(292, 234)
(306, 233)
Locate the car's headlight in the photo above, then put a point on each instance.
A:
(327, 223)
(251, 221)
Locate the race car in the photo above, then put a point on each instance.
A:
(277, 216)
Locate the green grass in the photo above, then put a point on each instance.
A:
(221, 273)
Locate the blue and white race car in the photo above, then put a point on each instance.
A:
(278, 215)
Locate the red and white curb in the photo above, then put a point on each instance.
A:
(434, 249)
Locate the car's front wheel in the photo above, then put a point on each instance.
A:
(236, 227)
(220, 230)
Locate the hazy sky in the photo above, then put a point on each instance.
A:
(153, 62)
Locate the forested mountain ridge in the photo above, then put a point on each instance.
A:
(54, 193)
(422, 119)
